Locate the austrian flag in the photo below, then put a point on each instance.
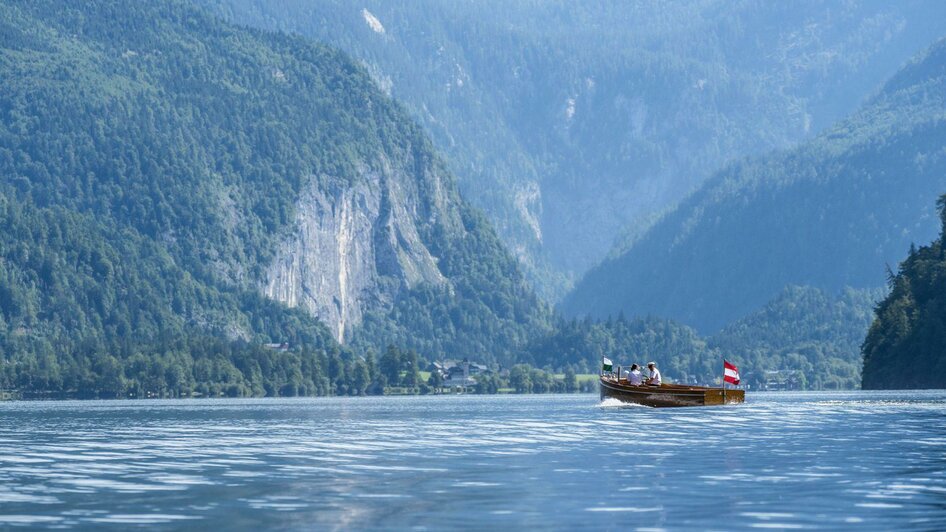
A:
(730, 372)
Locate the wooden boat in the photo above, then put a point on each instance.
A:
(668, 394)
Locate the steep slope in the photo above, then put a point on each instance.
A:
(827, 214)
(568, 121)
(161, 172)
(905, 345)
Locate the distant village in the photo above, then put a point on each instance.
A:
(461, 373)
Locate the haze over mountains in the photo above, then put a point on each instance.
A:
(573, 125)
(830, 213)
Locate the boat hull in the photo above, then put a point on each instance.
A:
(668, 395)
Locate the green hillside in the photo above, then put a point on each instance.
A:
(905, 345)
(152, 161)
(827, 214)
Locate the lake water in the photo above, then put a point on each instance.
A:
(820, 460)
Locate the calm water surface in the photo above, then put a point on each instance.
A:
(840, 460)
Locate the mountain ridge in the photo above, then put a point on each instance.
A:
(184, 158)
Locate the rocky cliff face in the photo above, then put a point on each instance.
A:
(354, 246)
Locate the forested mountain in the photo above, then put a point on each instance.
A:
(568, 121)
(827, 214)
(181, 197)
(805, 330)
(906, 345)
(162, 173)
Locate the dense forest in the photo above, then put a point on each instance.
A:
(572, 123)
(906, 345)
(828, 214)
(152, 158)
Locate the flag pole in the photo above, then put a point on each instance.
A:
(724, 382)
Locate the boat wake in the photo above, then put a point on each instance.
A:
(611, 402)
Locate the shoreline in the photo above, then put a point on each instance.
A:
(80, 397)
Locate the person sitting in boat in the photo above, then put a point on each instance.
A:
(654, 379)
(634, 377)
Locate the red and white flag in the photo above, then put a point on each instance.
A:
(730, 372)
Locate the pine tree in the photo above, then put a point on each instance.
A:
(390, 365)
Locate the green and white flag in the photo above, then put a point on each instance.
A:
(605, 364)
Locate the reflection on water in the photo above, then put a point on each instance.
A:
(858, 460)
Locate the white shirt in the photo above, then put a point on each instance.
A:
(634, 378)
(655, 374)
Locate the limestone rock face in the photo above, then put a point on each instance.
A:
(355, 245)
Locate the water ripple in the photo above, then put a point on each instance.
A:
(849, 460)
